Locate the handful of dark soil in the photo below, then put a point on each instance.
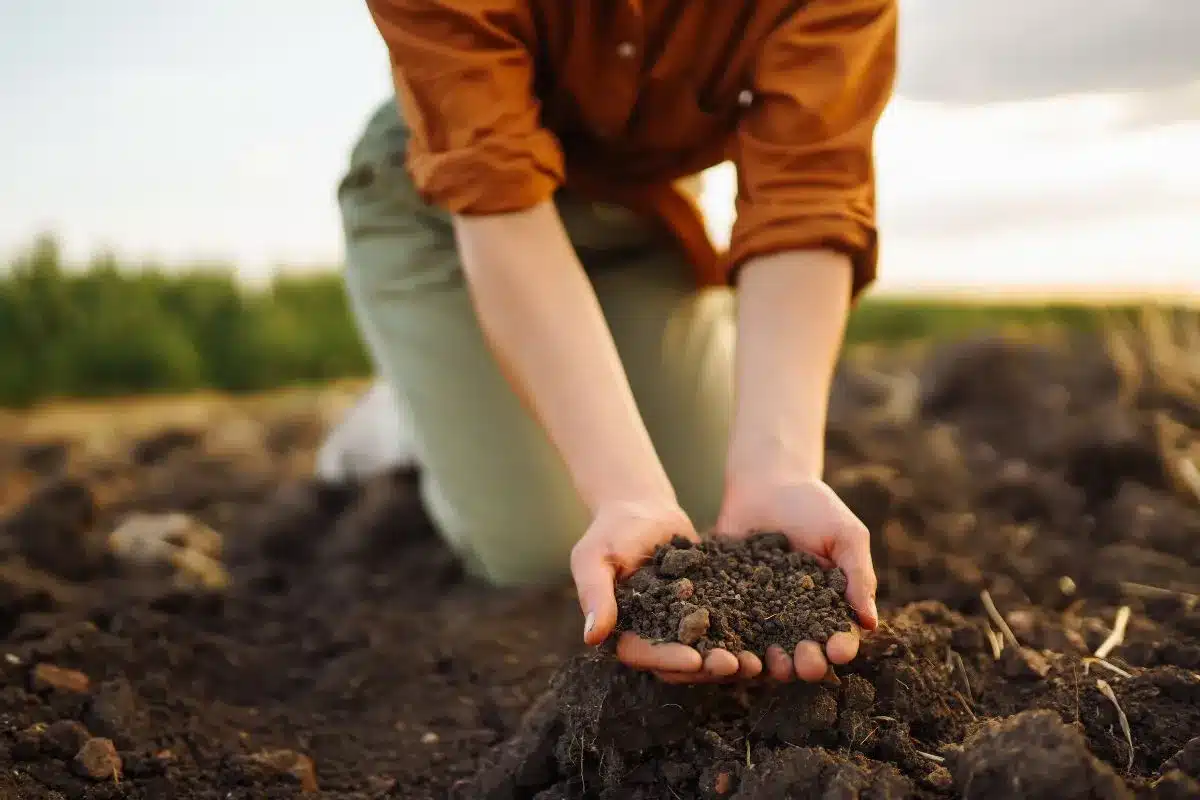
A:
(734, 594)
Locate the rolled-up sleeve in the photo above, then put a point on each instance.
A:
(463, 72)
(804, 148)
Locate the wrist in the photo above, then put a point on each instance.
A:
(787, 453)
(615, 492)
(772, 470)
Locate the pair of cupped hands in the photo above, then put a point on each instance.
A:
(622, 537)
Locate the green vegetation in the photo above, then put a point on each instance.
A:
(101, 329)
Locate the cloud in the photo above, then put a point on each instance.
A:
(981, 51)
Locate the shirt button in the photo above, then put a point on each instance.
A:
(626, 50)
(745, 98)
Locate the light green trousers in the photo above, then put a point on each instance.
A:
(494, 484)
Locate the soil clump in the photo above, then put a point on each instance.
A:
(734, 594)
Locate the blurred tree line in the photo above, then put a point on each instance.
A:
(101, 329)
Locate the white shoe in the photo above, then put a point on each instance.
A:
(375, 436)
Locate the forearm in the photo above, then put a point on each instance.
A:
(542, 321)
(792, 310)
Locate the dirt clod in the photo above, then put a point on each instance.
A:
(113, 710)
(98, 760)
(64, 738)
(1033, 754)
(676, 563)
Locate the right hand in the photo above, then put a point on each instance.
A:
(621, 538)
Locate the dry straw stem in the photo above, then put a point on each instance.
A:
(1142, 590)
(1162, 347)
(1189, 474)
(1178, 458)
(1107, 691)
(1118, 341)
(990, 607)
(957, 662)
(1100, 662)
(1117, 636)
(996, 641)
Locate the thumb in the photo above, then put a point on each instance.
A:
(594, 576)
(852, 552)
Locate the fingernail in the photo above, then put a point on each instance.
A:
(874, 610)
(589, 623)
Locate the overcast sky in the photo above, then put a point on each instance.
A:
(1032, 140)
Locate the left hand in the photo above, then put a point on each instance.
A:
(816, 521)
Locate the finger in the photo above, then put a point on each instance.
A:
(810, 662)
(721, 663)
(634, 651)
(594, 576)
(852, 552)
(779, 664)
(749, 665)
(842, 647)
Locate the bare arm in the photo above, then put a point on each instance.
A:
(792, 309)
(792, 312)
(544, 324)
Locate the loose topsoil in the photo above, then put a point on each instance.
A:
(734, 594)
(348, 656)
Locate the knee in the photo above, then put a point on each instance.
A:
(511, 544)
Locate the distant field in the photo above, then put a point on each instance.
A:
(106, 329)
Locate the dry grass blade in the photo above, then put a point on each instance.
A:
(930, 756)
(1189, 474)
(1117, 636)
(996, 641)
(1100, 662)
(1107, 691)
(961, 668)
(1142, 590)
(990, 606)
(1124, 358)
(966, 704)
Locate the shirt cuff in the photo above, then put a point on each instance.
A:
(765, 231)
(495, 176)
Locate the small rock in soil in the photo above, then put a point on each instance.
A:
(693, 626)
(144, 538)
(1032, 754)
(734, 594)
(174, 543)
(98, 760)
(289, 762)
(48, 677)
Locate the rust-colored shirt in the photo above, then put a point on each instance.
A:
(508, 100)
